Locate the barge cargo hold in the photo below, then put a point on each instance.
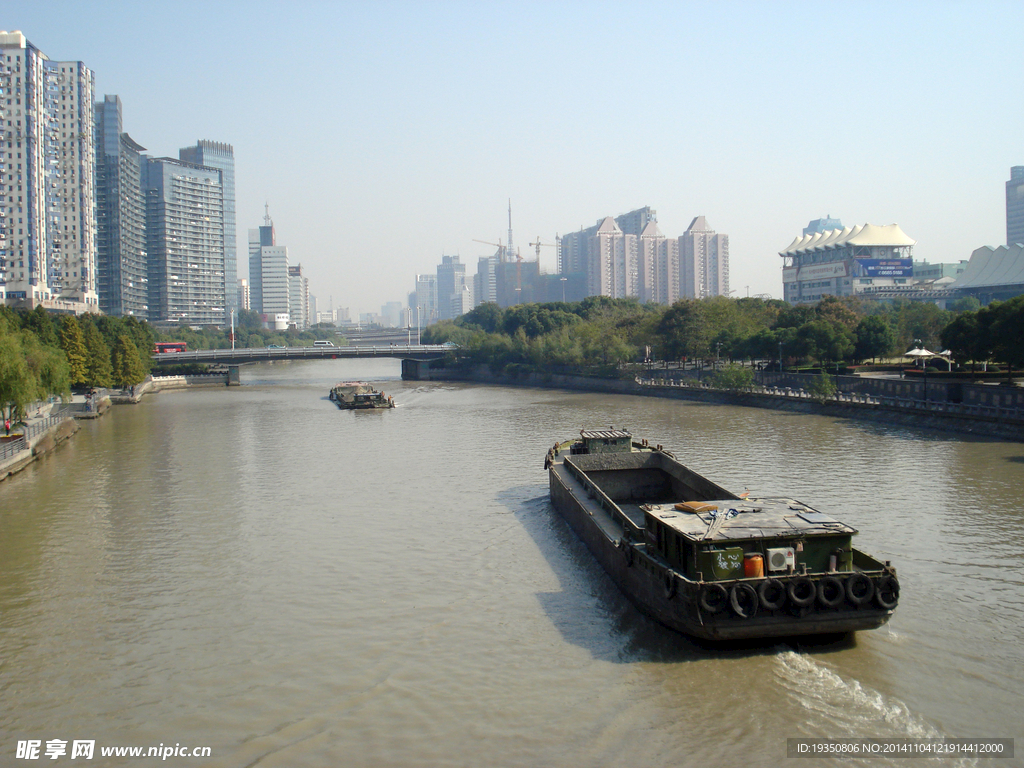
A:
(706, 562)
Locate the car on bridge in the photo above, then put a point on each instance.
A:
(274, 346)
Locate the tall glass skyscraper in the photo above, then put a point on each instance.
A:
(1015, 206)
(121, 270)
(216, 154)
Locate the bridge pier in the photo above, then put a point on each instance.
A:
(234, 380)
(415, 370)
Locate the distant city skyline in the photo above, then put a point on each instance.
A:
(402, 131)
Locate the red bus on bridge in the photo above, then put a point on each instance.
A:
(170, 346)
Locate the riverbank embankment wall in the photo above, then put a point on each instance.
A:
(1004, 422)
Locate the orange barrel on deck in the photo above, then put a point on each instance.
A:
(753, 565)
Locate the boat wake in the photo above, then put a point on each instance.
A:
(840, 708)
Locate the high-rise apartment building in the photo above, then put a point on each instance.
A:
(1015, 206)
(704, 261)
(658, 266)
(122, 282)
(185, 241)
(573, 248)
(216, 154)
(612, 262)
(47, 223)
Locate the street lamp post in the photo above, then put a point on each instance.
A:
(924, 366)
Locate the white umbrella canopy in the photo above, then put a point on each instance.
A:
(920, 352)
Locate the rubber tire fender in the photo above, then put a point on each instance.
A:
(763, 593)
(887, 585)
(834, 585)
(736, 594)
(859, 589)
(670, 583)
(713, 604)
(804, 584)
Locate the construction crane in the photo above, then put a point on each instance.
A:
(501, 248)
(538, 245)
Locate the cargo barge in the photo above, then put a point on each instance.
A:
(358, 396)
(706, 562)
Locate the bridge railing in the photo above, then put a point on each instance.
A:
(391, 350)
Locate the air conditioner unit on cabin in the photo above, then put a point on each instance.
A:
(781, 559)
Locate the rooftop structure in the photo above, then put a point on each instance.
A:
(993, 274)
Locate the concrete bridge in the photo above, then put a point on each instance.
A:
(414, 357)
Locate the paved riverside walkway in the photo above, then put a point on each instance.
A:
(43, 420)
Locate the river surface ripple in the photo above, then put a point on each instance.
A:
(255, 571)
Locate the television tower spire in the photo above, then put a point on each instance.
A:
(509, 250)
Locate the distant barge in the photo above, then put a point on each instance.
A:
(706, 562)
(359, 396)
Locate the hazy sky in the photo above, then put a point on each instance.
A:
(385, 134)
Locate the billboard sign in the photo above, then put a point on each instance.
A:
(885, 267)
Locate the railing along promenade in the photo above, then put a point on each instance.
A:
(855, 399)
(12, 447)
(258, 354)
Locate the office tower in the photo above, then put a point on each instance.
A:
(658, 266)
(298, 297)
(704, 262)
(185, 241)
(259, 238)
(269, 287)
(1015, 206)
(451, 276)
(215, 154)
(426, 300)
(391, 314)
(47, 222)
(612, 262)
(822, 225)
(122, 282)
(485, 281)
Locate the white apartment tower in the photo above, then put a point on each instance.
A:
(612, 262)
(47, 223)
(658, 266)
(704, 262)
